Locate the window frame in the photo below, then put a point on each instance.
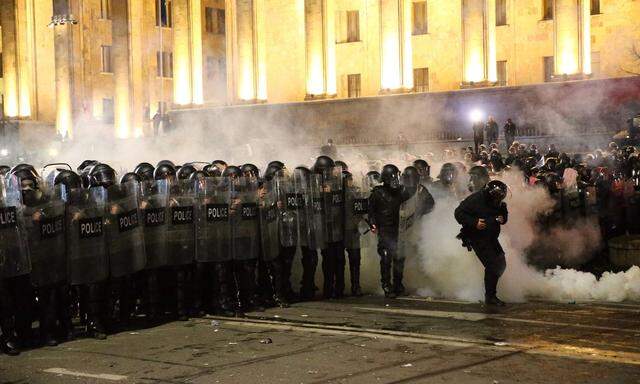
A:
(548, 5)
(551, 59)
(168, 6)
(501, 22)
(349, 37)
(105, 9)
(424, 86)
(599, 7)
(505, 81)
(357, 92)
(106, 50)
(423, 28)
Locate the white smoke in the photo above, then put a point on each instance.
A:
(447, 270)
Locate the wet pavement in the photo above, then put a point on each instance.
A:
(364, 340)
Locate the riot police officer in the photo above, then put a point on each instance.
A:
(478, 178)
(384, 217)
(481, 216)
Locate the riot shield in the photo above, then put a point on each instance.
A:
(155, 197)
(181, 239)
(85, 226)
(312, 227)
(333, 207)
(290, 202)
(244, 218)
(46, 238)
(269, 232)
(125, 235)
(213, 226)
(14, 254)
(356, 209)
(406, 241)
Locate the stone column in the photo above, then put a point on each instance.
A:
(63, 48)
(479, 42)
(17, 21)
(121, 68)
(390, 45)
(572, 38)
(315, 49)
(246, 79)
(195, 40)
(181, 53)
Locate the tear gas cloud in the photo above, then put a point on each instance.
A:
(440, 266)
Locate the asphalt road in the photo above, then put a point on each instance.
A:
(366, 340)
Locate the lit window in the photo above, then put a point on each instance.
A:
(501, 69)
(548, 68)
(163, 13)
(421, 79)
(420, 26)
(353, 85)
(547, 9)
(501, 12)
(106, 59)
(353, 26)
(164, 62)
(105, 9)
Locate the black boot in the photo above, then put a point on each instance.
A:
(95, 315)
(398, 272)
(226, 302)
(8, 341)
(309, 265)
(494, 301)
(385, 275)
(354, 272)
(181, 294)
(279, 296)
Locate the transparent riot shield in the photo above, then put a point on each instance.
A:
(269, 232)
(245, 234)
(213, 226)
(355, 213)
(333, 207)
(314, 212)
(290, 202)
(85, 224)
(181, 239)
(46, 238)
(14, 254)
(125, 235)
(154, 201)
(406, 243)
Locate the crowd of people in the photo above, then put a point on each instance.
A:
(173, 242)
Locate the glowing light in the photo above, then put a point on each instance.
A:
(567, 35)
(315, 81)
(390, 48)
(53, 152)
(137, 132)
(330, 44)
(476, 115)
(475, 66)
(196, 51)
(4, 152)
(568, 64)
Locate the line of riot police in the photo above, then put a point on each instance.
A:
(173, 242)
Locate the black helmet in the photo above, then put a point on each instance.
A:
(302, 170)
(341, 164)
(130, 176)
(232, 171)
(185, 172)
(250, 170)
(276, 163)
(390, 176)
(27, 176)
(478, 178)
(411, 177)
(220, 164)
(423, 167)
(68, 178)
(102, 175)
(496, 191)
(212, 170)
(145, 170)
(271, 172)
(4, 169)
(448, 173)
(166, 162)
(323, 164)
(164, 171)
(86, 165)
(198, 175)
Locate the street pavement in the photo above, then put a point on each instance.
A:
(360, 340)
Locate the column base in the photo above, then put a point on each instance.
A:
(477, 84)
(322, 96)
(573, 77)
(396, 91)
